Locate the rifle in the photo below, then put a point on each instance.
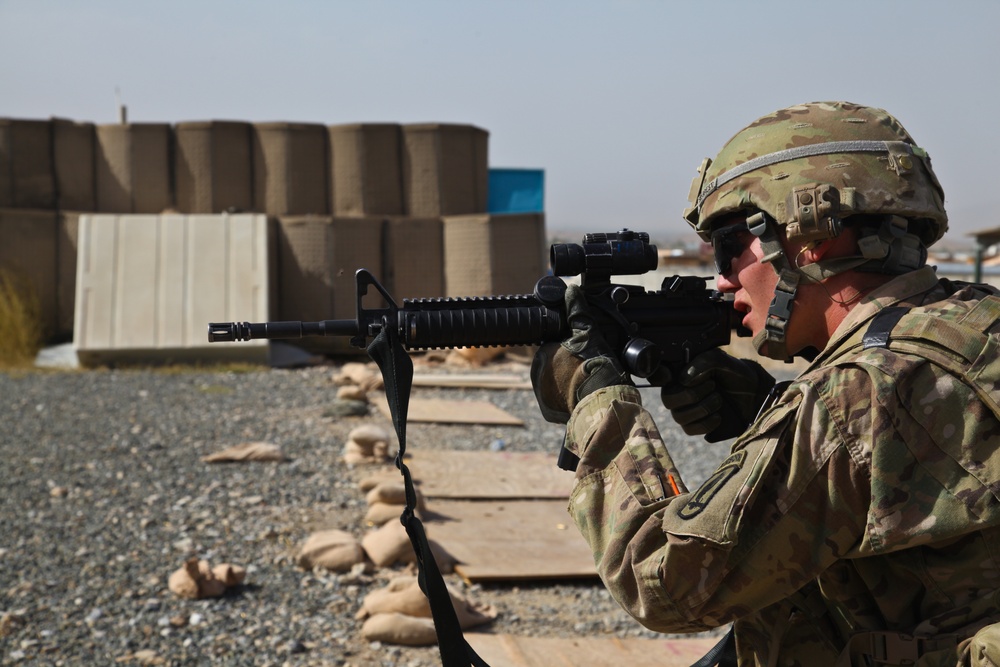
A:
(669, 326)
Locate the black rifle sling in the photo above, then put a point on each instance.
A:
(397, 374)
(723, 654)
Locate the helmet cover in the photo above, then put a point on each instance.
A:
(812, 165)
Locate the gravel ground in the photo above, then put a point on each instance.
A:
(104, 495)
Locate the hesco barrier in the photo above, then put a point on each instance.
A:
(28, 251)
(381, 196)
(27, 177)
(365, 169)
(73, 152)
(494, 254)
(445, 169)
(213, 167)
(133, 168)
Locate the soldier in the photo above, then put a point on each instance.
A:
(857, 519)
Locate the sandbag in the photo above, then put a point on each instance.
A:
(390, 544)
(334, 550)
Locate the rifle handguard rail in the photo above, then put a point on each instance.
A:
(672, 325)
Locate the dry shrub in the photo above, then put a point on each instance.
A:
(20, 321)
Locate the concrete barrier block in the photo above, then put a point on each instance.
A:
(148, 286)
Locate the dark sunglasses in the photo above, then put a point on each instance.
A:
(728, 243)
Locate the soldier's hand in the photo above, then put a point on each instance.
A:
(563, 373)
(717, 393)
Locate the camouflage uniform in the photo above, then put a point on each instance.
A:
(866, 498)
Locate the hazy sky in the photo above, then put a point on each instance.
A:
(617, 101)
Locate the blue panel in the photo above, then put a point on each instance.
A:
(517, 191)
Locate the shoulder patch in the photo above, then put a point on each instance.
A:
(699, 499)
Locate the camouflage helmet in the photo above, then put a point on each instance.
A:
(812, 165)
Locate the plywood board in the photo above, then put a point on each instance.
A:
(514, 651)
(471, 381)
(488, 475)
(510, 539)
(440, 411)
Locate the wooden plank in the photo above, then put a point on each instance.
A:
(471, 381)
(497, 475)
(440, 411)
(511, 539)
(514, 651)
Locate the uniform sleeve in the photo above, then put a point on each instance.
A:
(779, 510)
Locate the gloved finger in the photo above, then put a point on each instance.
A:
(585, 335)
(697, 412)
(577, 310)
(550, 374)
(674, 396)
(661, 377)
(703, 367)
(702, 426)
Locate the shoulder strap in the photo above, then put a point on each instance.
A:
(397, 373)
(877, 334)
(723, 654)
(892, 648)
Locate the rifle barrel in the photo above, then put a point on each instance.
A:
(233, 331)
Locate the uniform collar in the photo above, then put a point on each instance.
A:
(899, 289)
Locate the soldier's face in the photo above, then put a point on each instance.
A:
(751, 282)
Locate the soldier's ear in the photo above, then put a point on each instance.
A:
(838, 246)
(813, 251)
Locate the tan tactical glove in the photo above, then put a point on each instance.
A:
(717, 393)
(563, 373)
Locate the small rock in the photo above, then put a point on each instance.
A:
(352, 393)
(10, 622)
(147, 657)
(340, 408)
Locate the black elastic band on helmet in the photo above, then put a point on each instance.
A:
(857, 146)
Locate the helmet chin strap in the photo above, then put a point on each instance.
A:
(771, 341)
(888, 249)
